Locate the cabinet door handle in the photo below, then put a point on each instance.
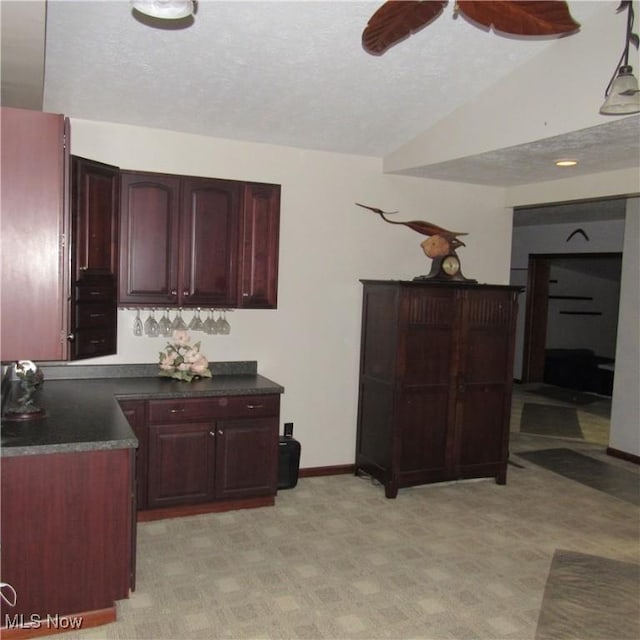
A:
(174, 292)
(212, 434)
(185, 294)
(220, 432)
(255, 406)
(181, 410)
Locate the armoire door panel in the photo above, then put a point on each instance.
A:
(423, 427)
(428, 355)
(481, 425)
(375, 424)
(379, 343)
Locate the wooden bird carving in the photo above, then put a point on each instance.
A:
(440, 242)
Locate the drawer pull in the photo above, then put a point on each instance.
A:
(96, 315)
(181, 410)
(95, 293)
(96, 341)
(255, 406)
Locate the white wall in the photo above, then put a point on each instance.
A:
(310, 344)
(595, 332)
(625, 411)
(604, 236)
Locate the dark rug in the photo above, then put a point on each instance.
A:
(590, 598)
(571, 396)
(608, 478)
(550, 420)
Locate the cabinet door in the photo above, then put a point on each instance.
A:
(34, 285)
(259, 234)
(149, 227)
(95, 194)
(209, 238)
(247, 457)
(134, 412)
(95, 197)
(181, 464)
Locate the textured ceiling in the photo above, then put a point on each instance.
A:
(295, 74)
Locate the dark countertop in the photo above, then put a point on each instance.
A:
(82, 412)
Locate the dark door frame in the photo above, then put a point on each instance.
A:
(535, 327)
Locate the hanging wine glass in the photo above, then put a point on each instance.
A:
(224, 328)
(164, 325)
(196, 323)
(178, 323)
(209, 324)
(138, 327)
(151, 327)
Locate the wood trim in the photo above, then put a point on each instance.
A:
(204, 507)
(623, 455)
(88, 619)
(340, 469)
(535, 333)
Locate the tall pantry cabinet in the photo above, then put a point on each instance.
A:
(35, 236)
(435, 382)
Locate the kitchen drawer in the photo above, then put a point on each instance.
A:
(180, 410)
(91, 343)
(95, 292)
(97, 314)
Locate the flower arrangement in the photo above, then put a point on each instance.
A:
(182, 360)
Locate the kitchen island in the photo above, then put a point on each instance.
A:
(72, 479)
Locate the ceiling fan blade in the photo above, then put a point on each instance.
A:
(398, 19)
(522, 18)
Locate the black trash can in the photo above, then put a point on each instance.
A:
(288, 462)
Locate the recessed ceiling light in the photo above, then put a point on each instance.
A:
(566, 163)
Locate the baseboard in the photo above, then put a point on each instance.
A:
(623, 455)
(336, 470)
(60, 624)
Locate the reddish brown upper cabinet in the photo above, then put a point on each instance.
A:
(35, 236)
(435, 382)
(259, 235)
(197, 242)
(95, 198)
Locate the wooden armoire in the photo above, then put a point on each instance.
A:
(436, 369)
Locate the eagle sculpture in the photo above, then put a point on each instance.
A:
(440, 242)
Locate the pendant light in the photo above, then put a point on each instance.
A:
(165, 9)
(622, 96)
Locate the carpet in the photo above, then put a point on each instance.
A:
(572, 396)
(550, 420)
(609, 478)
(590, 598)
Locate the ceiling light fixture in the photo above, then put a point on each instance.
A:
(622, 96)
(566, 163)
(165, 9)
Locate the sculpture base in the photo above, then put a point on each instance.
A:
(17, 414)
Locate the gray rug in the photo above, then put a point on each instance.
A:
(590, 598)
(550, 420)
(572, 396)
(609, 478)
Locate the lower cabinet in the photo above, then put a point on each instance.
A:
(246, 457)
(67, 526)
(196, 451)
(182, 464)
